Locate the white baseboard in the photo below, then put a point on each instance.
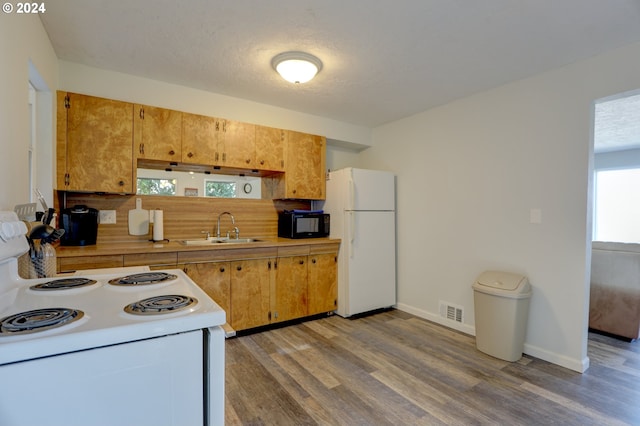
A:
(562, 360)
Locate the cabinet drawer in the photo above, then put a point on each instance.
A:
(293, 251)
(324, 248)
(141, 259)
(70, 264)
(229, 254)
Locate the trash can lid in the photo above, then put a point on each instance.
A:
(503, 283)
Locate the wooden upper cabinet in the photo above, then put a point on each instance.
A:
(237, 148)
(158, 133)
(200, 135)
(61, 141)
(95, 144)
(270, 143)
(304, 176)
(99, 143)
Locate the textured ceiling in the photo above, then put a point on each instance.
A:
(383, 60)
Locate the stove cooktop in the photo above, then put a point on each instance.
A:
(107, 303)
(38, 320)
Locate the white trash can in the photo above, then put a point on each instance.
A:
(501, 302)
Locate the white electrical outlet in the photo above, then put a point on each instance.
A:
(107, 217)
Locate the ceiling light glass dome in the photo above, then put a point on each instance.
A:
(296, 67)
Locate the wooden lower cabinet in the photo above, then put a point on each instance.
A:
(250, 292)
(289, 299)
(215, 279)
(322, 283)
(254, 287)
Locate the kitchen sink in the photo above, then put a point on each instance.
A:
(209, 241)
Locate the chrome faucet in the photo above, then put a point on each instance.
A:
(233, 222)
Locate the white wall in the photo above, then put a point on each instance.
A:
(23, 40)
(469, 174)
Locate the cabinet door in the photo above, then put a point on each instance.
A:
(270, 143)
(250, 287)
(99, 145)
(239, 144)
(158, 133)
(200, 136)
(214, 278)
(61, 141)
(305, 166)
(289, 300)
(323, 283)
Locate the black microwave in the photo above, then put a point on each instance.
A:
(292, 224)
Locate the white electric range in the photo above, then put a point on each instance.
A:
(125, 346)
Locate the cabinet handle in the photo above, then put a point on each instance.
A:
(121, 183)
(313, 261)
(262, 162)
(141, 113)
(221, 269)
(172, 152)
(294, 191)
(239, 268)
(248, 160)
(269, 265)
(190, 155)
(224, 156)
(216, 156)
(302, 262)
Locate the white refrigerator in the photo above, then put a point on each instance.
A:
(362, 208)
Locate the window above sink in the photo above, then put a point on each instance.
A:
(197, 184)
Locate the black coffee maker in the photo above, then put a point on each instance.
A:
(80, 225)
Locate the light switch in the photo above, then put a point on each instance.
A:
(535, 216)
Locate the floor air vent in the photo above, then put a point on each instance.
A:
(451, 312)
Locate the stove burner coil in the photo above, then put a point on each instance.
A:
(160, 304)
(63, 284)
(38, 320)
(143, 279)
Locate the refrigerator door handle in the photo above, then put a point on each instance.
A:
(352, 232)
(351, 194)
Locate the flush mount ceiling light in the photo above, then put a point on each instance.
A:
(296, 67)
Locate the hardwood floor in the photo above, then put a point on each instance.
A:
(393, 368)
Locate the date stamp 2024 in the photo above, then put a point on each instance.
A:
(24, 8)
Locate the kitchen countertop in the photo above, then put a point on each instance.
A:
(143, 247)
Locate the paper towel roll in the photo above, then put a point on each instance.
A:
(158, 226)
